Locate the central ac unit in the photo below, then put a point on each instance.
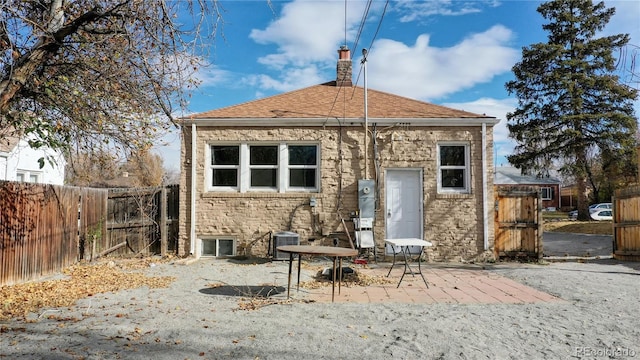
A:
(283, 238)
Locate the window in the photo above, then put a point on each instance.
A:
(303, 166)
(453, 168)
(547, 193)
(218, 247)
(263, 163)
(28, 176)
(264, 167)
(225, 163)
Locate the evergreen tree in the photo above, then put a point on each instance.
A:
(570, 101)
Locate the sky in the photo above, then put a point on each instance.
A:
(453, 53)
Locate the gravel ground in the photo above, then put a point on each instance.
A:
(205, 315)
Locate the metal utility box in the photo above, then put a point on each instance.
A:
(367, 198)
(284, 238)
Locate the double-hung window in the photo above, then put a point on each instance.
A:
(225, 165)
(264, 167)
(547, 193)
(303, 166)
(453, 168)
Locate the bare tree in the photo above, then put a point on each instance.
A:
(102, 169)
(146, 167)
(90, 75)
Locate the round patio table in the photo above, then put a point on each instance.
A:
(337, 253)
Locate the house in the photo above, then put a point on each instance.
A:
(299, 163)
(20, 162)
(549, 187)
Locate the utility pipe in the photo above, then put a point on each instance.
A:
(485, 206)
(193, 191)
(366, 117)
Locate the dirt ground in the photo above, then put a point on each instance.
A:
(175, 315)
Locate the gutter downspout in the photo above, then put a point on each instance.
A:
(485, 206)
(192, 234)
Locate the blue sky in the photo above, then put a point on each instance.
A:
(447, 52)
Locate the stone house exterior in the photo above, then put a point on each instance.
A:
(300, 162)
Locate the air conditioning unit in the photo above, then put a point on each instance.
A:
(283, 238)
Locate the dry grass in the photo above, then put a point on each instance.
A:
(580, 227)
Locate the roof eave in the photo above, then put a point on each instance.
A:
(315, 122)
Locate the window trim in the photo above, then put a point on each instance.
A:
(244, 168)
(466, 189)
(28, 174)
(209, 173)
(549, 190)
(246, 162)
(217, 239)
(316, 167)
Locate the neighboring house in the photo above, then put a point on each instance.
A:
(300, 162)
(20, 162)
(550, 187)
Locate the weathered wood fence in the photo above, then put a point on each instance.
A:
(626, 224)
(40, 226)
(44, 228)
(518, 222)
(141, 221)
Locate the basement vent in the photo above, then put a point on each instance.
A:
(283, 238)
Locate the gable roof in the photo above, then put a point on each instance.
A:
(507, 175)
(9, 139)
(328, 102)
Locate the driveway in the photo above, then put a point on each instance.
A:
(559, 244)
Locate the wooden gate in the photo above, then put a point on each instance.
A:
(626, 224)
(518, 222)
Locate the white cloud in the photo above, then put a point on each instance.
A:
(211, 75)
(425, 72)
(416, 10)
(296, 78)
(308, 32)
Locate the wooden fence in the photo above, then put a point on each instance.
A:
(141, 221)
(626, 224)
(45, 228)
(518, 222)
(40, 226)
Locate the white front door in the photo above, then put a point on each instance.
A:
(403, 204)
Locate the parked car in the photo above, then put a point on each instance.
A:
(573, 214)
(595, 207)
(602, 214)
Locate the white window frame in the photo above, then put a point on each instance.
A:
(466, 188)
(217, 240)
(250, 167)
(548, 190)
(27, 175)
(209, 174)
(316, 167)
(282, 168)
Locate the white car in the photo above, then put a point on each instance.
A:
(602, 214)
(600, 206)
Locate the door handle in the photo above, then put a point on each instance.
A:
(389, 213)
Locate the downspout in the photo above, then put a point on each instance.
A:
(193, 191)
(485, 206)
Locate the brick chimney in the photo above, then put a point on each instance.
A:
(343, 70)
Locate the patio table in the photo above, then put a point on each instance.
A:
(336, 253)
(404, 245)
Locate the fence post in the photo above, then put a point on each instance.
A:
(163, 222)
